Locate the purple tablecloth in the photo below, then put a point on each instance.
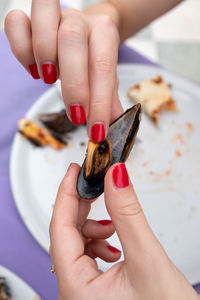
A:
(18, 250)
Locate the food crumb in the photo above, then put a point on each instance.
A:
(178, 153)
(144, 164)
(82, 144)
(151, 173)
(168, 172)
(178, 138)
(71, 146)
(189, 126)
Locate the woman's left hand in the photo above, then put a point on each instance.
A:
(146, 272)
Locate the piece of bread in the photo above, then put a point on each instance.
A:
(154, 95)
(37, 135)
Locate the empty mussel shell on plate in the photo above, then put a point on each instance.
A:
(58, 122)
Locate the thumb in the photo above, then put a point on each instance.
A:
(127, 215)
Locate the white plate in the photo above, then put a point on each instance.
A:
(19, 288)
(165, 169)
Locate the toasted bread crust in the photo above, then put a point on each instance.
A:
(155, 95)
(38, 135)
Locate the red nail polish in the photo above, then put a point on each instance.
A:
(98, 133)
(104, 222)
(120, 176)
(113, 249)
(49, 73)
(34, 71)
(77, 114)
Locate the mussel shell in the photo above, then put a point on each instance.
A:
(86, 190)
(57, 122)
(122, 133)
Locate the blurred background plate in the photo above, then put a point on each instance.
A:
(19, 288)
(164, 167)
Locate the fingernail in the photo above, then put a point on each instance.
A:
(49, 73)
(113, 249)
(120, 176)
(34, 71)
(77, 114)
(104, 222)
(98, 133)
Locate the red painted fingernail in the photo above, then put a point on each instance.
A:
(104, 222)
(120, 176)
(113, 249)
(98, 133)
(77, 114)
(34, 71)
(49, 73)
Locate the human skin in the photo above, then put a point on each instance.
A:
(146, 272)
(82, 49)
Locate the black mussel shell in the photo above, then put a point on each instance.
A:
(122, 133)
(57, 122)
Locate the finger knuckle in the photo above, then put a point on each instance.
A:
(75, 85)
(72, 12)
(106, 21)
(13, 16)
(99, 102)
(102, 65)
(73, 33)
(107, 24)
(129, 209)
(74, 90)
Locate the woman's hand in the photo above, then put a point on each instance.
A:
(81, 49)
(145, 274)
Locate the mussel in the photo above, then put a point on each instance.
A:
(100, 156)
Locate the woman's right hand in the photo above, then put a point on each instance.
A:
(80, 48)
